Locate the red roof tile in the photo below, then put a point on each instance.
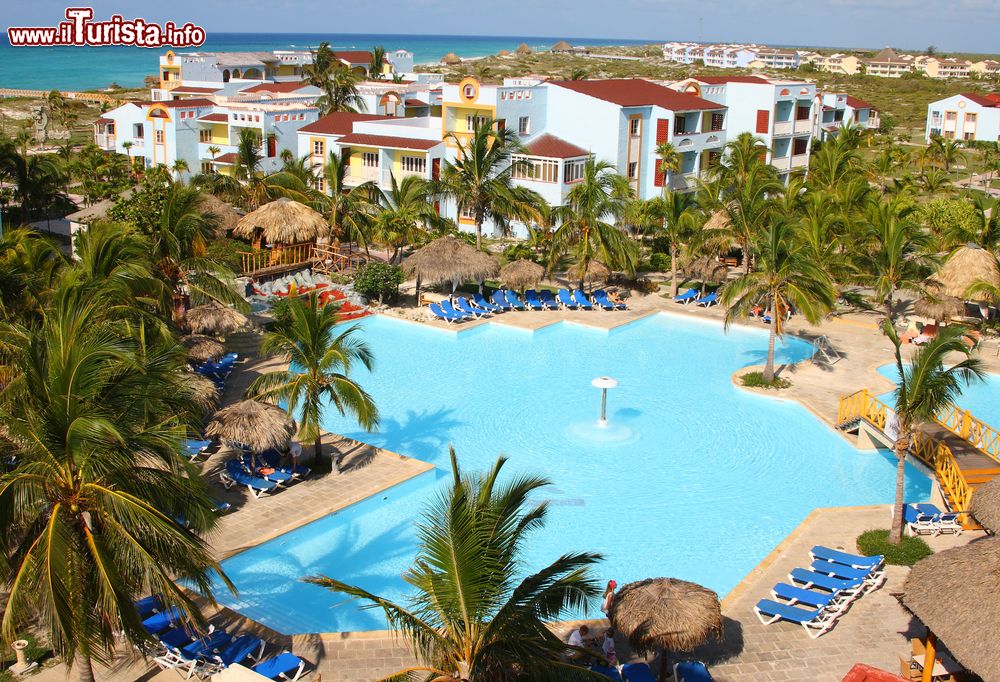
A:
(353, 56)
(982, 100)
(856, 103)
(552, 147)
(722, 80)
(228, 158)
(104, 119)
(182, 103)
(417, 103)
(635, 92)
(338, 123)
(387, 141)
(193, 90)
(289, 86)
(214, 118)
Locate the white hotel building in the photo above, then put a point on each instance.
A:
(968, 116)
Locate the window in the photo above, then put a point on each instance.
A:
(469, 91)
(936, 119)
(800, 145)
(138, 131)
(370, 159)
(206, 167)
(680, 125)
(951, 116)
(838, 115)
(968, 136)
(467, 215)
(634, 126)
(319, 184)
(539, 170)
(414, 164)
(319, 147)
(633, 170)
(204, 135)
(158, 136)
(524, 125)
(802, 113)
(472, 122)
(573, 170)
(717, 122)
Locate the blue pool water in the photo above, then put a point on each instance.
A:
(981, 398)
(694, 478)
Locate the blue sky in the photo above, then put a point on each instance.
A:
(955, 25)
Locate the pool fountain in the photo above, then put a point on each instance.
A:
(604, 383)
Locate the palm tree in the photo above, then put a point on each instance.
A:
(346, 208)
(668, 161)
(896, 256)
(377, 63)
(835, 161)
(472, 617)
(323, 63)
(213, 150)
(37, 180)
(748, 209)
(882, 167)
(926, 387)
(681, 223)
(785, 278)
(180, 167)
(95, 418)
(479, 180)
(29, 267)
(935, 180)
(323, 358)
(340, 93)
(402, 214)
(946, 151)
(583, 229)
(739, 159)
(822, 234)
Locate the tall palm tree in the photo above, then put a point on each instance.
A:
(740, 158)
(340, 93)
(785, 278)
(472, 618)
(377, 63)
(926, 387)
(29, 268)
(180, 167)
(833, 163)
(479, 180)
(668, 161)
(213, 150)
(402, 215)
(38, 182)
(945, 151)
(586, 229)
(748, 208)
(95, 419)
(896, 256)
(681, 223)
(883, 167)
(822, 233)
(323, 63)
(346, 207)
(324, 358)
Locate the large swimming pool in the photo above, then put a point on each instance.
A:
(981, 398)
(693, 478)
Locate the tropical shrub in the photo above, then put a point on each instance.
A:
(942, 216)
(657, 262)
(757, 380)
(378, 280)
(227, 252)
(908, 552)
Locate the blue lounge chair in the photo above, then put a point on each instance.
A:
(237, 651)
(708, 301)
(602, 302)
(450, 318)
(607, 671)
(799, 595)
(637, 672)
(846, 558)
(514, 301)
(195, 448)
(498, 298)
(285, 666)
(480, 301)
(548, 300)
(272, 458)
(162, 620)
(687, 296)
(449, 309)
(234, 474)
(582, 300)
(825, 582)
(567, 300)
(943, 522)
(176, 637)
(691, 671)
(147, 606)
(601, 297)
(871, 577)
(813, 621)
(532, 301)
(188, 657)
(468, 308)
(221, 507)
(253, 467)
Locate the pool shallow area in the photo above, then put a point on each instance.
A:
(693, 477)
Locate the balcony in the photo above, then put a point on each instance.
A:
(359, 176)
(691, 141)
(685, 182)
(802, 125)
(783, 127)
(105, 141)
(800, 160)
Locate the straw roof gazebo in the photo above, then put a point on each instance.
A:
(666, 614)
(202, 389)
(201, 348)
(939, 308)
(448, 259)
(504, 53)
(719, 220)
(521, 273)
(985, 505)
(523, 49)
(954, 593)
(227, 216)
(562, 46)
(215, 319)
(967, 265)
(255, 424)
(451, 58)
(282, 221)
(706, 269)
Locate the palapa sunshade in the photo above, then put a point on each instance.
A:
(225, 215)
(706, 269)
(561, 46)
(215, 319)
(255, 424)
(201, 348)
(203, 390)
(719, 220)
(504, 53)
(523, 49)
(666, 614)
(966, 266)
(985, 505)
(596, 272)
(283, 221)
(447, 259)
(954, 593)
(451, 58)
(939, 308)
(521, 273)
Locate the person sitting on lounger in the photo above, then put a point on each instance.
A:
(757, 311)
(608, 647)
(615, 297)
(580, 639)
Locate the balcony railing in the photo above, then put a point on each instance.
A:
(783, 127)
(800, 160)
(105, 140)
(359, 176)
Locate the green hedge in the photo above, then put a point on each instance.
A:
(906, 553)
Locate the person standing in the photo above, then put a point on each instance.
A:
(609, 596)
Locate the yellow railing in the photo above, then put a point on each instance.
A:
(329, 259)
(862, 405)
(277, 257)
(972, 429)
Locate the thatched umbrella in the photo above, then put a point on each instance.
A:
(666, 614)
(448, 259)
(939, 308)
(226, 216)
(954, 593)
(258, 425)
(203, 390)
(504, 53)
(562, 46)
(523, 49)
(595, 272)
(521, 273)
(451, 59)
(967, 265)
(215, 319)
(201, 348)
(706, 269)
(985, 505)
(283, 221)
(718, 221)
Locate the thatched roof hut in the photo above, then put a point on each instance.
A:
(706, 269)
(523, 49)
(985, 505)
(201, 348)
(666, 614)
(226, 216)
(562, 46)
(283, 221)
(521, 273)
(966, 265)
(939, 308)
(202, 389)
(448, 259)
(215, 319)
(719, 220)
(451, 59)
(954, 593)
(504, 53)
(596, 272)
(255, 424)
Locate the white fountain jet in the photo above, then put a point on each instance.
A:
(604, 383)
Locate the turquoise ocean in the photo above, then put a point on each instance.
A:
(87, 68)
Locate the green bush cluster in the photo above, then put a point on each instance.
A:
(906, 553)
(379, 280)
(756, 380)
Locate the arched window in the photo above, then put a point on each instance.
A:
(225, 76)
(236, 73)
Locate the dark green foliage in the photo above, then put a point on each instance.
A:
(227, 252)
(756, 380)
(378, 280)
(145, 206)
(908, 552)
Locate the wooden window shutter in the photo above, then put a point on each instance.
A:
(662, 130)
(763, 120)
(659, 177)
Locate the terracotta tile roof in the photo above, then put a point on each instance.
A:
(635, 92)
(353, 56)
(214, 118)
(856, 103)
(104, 119)
(417, 103)
(338, 123)
(193, 90)
(721, 80)
(990, 100)
(552, 147)
(290, 86)
(228, 158)
(182, 103)
(387, 141)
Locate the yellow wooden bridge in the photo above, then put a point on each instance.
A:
(963, 451)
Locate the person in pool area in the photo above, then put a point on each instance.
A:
(294, 452)
(608, 647)
(609, 595)
(580, 639)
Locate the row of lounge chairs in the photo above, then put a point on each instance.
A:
(694, 296)
(927, 519)
(684, 671)
(504, 300)
(261, 473)
(179, 646)
(218, 371)
(838, 578)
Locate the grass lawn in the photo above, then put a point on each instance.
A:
(906, 553)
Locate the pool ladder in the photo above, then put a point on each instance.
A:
(823, 349)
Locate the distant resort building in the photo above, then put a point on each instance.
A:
(968, 116)
(836, 110)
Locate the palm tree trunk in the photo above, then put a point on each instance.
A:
(86, 669)
(769, 367)
(673, 270)
(479, 234)
(896, 532)
(746, 259)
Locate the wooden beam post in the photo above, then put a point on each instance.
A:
(929, 657)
